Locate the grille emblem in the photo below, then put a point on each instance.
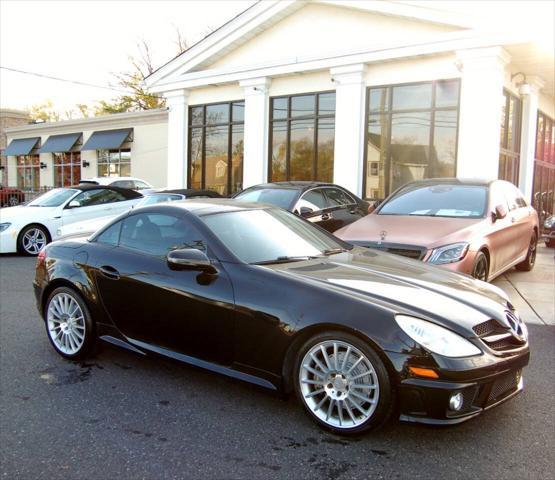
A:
(515, 325)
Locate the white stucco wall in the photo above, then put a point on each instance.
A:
(149, 153)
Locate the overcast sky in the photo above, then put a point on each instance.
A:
(86, 41)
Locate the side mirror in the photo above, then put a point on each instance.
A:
(305, 211)
(190, 259)
(73, 204)
(372, 205)
(500, 212)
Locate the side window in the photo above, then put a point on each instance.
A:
(514, 197)
(98, 197)
(123, 184)
(338, 197)
(140, 185)
(110, 236)
(156, 234)
(313, 199)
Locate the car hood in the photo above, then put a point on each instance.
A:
(23, 213)
(428, 232)
(405, 286)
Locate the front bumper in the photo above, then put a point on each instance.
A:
(427, 401)
(8, 240)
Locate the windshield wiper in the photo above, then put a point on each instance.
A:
(285, 259)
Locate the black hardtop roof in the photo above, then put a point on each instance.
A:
(91, 186)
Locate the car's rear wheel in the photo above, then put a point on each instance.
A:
(32, 239)
(342, 383)
(69, 324)
(528, 263)
(480, 270)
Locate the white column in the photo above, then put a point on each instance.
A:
(257, 124)
(350, 95)
(178, 118)
(528, 136)
(480, 111)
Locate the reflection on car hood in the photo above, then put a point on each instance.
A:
(454, 300)
(423, 231)
(23, 212)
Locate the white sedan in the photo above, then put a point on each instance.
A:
(28, 228)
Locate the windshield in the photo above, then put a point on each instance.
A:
(280, 197)
(270, 236)
(158, 198)
(466, 201)
(53, 198)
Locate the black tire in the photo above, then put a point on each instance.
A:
(22, 245)
(89, 341)
(386, 393)
(480, 270)
(528, 263)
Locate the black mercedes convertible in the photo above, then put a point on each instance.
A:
(262, 295)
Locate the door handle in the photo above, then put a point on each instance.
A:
(109, 272)
(327, 216)
(513, 219)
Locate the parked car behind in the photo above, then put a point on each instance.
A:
(259, 294)
(481, 228)
(10, 197)
(549, 231)
(325, 204)
(121, 182)
(28, 228)
(88, 227)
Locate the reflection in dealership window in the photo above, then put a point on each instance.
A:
(544, 167)
(411, 135)
(28, 172)
(67, 168)
(302, 130)
(114, 163)
(216, 147)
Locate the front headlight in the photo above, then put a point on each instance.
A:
(435, 338)
(4, 226)
(549, 222)
(449, 253)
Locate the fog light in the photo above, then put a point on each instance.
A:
(456, 402)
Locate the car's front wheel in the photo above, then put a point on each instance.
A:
(32, 239)
(343, 384)
(69, 324)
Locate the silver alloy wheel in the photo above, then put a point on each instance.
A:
(66, 323)
(13, 201)
(339, 384)
(34, 240)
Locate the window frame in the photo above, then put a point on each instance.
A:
(512, 151)
(230, 123)
(119, 162)
(432, 109)
(315, 116)
(28, 165)
(72, 165)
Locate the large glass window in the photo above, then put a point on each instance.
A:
(302, 137)
(114, 163)
(28, 172)
(544, 167)
(411, 134)
(67, 168)
(509, 141)
(216, 135)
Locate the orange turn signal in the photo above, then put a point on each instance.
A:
(423, 372)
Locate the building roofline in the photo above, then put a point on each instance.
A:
(153, 115)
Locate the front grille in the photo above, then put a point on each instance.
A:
(504, 386)
(410, 251)
(487, 328)
(499, 337)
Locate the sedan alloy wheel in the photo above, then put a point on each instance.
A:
(33, 239)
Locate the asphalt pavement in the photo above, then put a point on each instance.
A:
(123, 416)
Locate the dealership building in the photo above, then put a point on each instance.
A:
(368, 95)
(40, 156)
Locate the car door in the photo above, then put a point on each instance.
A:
(501, 234)
(313, 206)
(342, 207)
(519, 214)
(153, 305)
(92, 204)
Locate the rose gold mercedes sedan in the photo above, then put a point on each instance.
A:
(481, 228)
